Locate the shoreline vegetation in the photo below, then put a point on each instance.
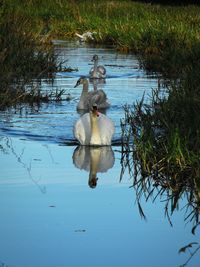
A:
(166, 40)
(162, 36)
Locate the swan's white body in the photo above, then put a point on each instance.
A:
(97, 71)
(93, 130)
(88, 99)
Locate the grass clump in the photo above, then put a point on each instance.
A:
(22, 57)
(161, 140)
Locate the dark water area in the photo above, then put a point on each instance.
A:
(65, 205)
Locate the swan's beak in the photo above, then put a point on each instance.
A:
(77, 84)
(94, 58)
(95, 112)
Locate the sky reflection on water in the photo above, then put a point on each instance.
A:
(51, 217)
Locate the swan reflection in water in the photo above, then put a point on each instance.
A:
(93, 160)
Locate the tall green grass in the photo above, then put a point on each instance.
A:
(161, 140)
(22, 57)
(161, 35)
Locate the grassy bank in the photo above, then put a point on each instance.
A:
(23, 56)
(161, 35)
(161, 146)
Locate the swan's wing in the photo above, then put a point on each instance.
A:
(106, 128)
(82, 129)
(93, 97)
(101, 70)
(97, 97)
(100, 92)
(99, 73)
(91, 71)
(83, 103)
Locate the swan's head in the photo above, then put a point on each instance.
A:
(95, 112)
(95, 58)
(81, 80)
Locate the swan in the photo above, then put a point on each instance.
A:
(94, 129)
(87, 98)
(97, 72)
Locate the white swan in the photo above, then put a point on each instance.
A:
(88, 99)
(94, 129)
(97, 72)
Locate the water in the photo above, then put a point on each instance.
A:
(50, 214)
(54, 121)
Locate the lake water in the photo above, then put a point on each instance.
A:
(50, 215)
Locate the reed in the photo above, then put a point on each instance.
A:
(165, 146)
(23, 57)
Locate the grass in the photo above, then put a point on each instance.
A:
(23, 56)
(161, 140)
(164, 37)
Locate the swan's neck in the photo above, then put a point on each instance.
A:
(95, 87)
(83, 95)
(85, 88)
(95, 65)
(95, 134)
